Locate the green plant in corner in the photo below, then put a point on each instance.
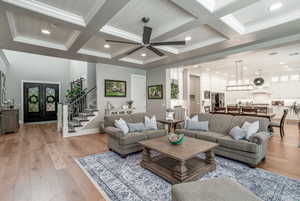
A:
(74, 92)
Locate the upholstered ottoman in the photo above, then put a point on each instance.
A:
(217, 189)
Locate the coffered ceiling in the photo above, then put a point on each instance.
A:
(77, 29)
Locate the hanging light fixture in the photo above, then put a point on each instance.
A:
(239, 77)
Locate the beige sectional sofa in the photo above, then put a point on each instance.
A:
(250, 152)
(126, 144)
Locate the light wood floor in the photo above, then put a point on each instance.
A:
(36, 163)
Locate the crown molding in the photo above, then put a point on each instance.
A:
(120, 33)
(51, 11)
(11, 24)
(41, 43)
(94, 53)
(94, 10)
(132, 60)
(72, 39)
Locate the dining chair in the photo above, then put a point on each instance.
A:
(280, 124)
(262, 110)
(233, 109)
(220, 109)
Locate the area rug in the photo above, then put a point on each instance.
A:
(124, 180)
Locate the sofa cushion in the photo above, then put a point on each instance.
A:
(202, 135)
(136, 127)
(241, 145)
(219, 123)
(132, 118)
(197, 125)
(210, 136)
(131, 138)
(155, 133)
(240, 120)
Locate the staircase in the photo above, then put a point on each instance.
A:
(78, 114)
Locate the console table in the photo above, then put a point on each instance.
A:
(9, 120)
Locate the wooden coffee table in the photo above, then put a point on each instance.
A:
(178, 163)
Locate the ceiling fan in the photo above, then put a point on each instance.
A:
(147, 41)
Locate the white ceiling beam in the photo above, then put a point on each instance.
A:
(4, 6)
(232, 7)
(206, 17)
(105, 13)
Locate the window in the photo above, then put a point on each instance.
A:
(275, 79)
(284, 78)
(295, 77)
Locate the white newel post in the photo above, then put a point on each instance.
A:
(59, 117)
(65, 128)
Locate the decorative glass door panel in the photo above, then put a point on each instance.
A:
(40, 102)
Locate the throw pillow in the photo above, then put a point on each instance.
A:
(197, 125)
(251, 128)
(238, 133)
(150, 124)
(194, 118)
(121, 124)
(136, 127)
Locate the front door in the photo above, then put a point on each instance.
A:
(40, 102)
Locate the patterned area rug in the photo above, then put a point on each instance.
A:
(124, 179)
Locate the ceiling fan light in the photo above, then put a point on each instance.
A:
(188, 38)
(107, 46)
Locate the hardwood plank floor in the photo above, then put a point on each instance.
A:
(37, 163)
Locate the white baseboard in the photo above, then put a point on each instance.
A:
(83, 132)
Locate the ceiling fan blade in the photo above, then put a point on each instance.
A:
(156, 51)
(124, 42)
(147, 34)
(134, 50)
(169, 43)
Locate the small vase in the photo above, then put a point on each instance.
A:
(169, 115)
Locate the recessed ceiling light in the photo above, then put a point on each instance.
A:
(188, 38)
(281, 63)
(107, 46)
(46, 31)
(143, 54)
(275, 6)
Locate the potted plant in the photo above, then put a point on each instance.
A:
(129, 103)
(74, 92)
(170, 114)
(295, 108)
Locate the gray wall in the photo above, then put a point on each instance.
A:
(157, 106)
(92, 82)
(31, 67)
(105, 71)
